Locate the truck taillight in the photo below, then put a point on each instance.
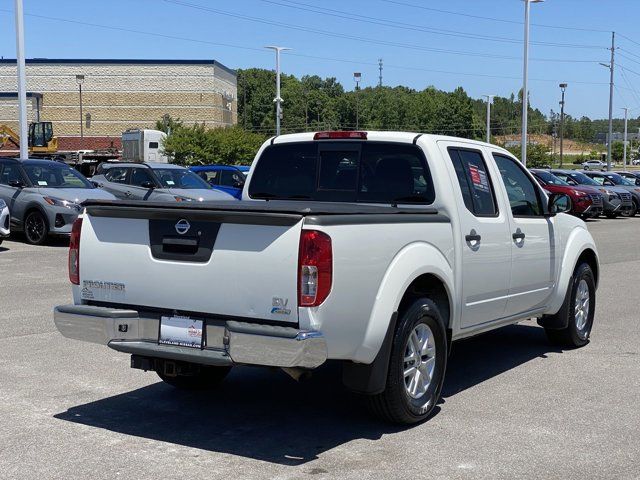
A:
(315, 268)
(74, 252)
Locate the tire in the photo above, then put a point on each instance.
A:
(202, 378)
(634, 209)
(397, 404)
(579, 323)
(36, 228)
(612, 215)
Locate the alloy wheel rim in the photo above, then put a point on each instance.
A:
(581, 307)
(419, 361)
(35, 227)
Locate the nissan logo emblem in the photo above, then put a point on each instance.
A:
(182, 226)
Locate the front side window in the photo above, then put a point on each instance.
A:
(523, 194)
(370, 172)
(231, 178)
(139, 176)
(180, 178)
(474, 181)
(116, 174)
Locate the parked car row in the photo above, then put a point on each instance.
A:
(594, 193)
(43, 197)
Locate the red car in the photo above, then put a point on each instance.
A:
(586, 201)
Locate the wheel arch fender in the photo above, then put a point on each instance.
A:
(579, 246)
(412, 262)
(31, 206)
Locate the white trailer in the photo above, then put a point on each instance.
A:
(142, 145)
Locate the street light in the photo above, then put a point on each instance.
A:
(563, 87)
(278, 99)
(626, 114)
(22, 81)
(80, 81)
(489, 98)
(525, 79)
(357, 76)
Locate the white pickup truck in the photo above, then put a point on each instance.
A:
(376, 249)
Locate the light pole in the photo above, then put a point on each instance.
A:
(624, 155)
(525, 79)
(278, 99)
(489, 98)
(357, 76)
(22, 81)
(80, 81)
(563, 87)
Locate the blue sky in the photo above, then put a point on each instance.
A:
(420, 46)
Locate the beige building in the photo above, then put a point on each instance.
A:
(119, 94)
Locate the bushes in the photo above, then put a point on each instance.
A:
(197, 145)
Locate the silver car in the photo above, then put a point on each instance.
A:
(4, 220)
(160, 182)
(44, 197)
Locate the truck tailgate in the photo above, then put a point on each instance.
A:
(226, 262)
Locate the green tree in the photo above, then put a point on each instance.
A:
(196, 145)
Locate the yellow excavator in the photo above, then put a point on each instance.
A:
(42, 143)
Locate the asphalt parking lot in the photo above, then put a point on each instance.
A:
(513, 407)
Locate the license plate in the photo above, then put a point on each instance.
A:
(181, 331)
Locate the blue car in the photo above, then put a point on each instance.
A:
(228, 178)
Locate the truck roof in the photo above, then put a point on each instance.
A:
(379, 136)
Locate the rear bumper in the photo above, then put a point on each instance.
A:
(226, 344)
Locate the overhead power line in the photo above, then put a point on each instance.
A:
(413, 27)
(373, 41)
(301, 55)
(502, 20)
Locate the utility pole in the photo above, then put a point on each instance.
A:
(80, 81)
(563, 87)
(611, 67)
(489, 98)
(380, 69)
(624, 156)
(22, 81)
(278, 99)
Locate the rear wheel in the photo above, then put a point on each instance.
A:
(634, 209)
(579, 309)
(36, 228)
(199, 377)
(416, 367)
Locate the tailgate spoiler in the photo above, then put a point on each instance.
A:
(273, 212)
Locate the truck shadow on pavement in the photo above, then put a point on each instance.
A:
(263, 414)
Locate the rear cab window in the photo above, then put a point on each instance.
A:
(347, 171)
(474, 180)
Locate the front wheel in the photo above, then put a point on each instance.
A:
(579, 309)
(416, 367)
(36, 228)
(202, 378)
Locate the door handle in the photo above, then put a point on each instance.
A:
(472, 237)
(519, 235)
(127, 194)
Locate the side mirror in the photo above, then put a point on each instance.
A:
(148, 184)
(239, 184)
(558, 203)
(16, 184)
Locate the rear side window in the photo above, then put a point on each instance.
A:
(474, 181)
(368, 172)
